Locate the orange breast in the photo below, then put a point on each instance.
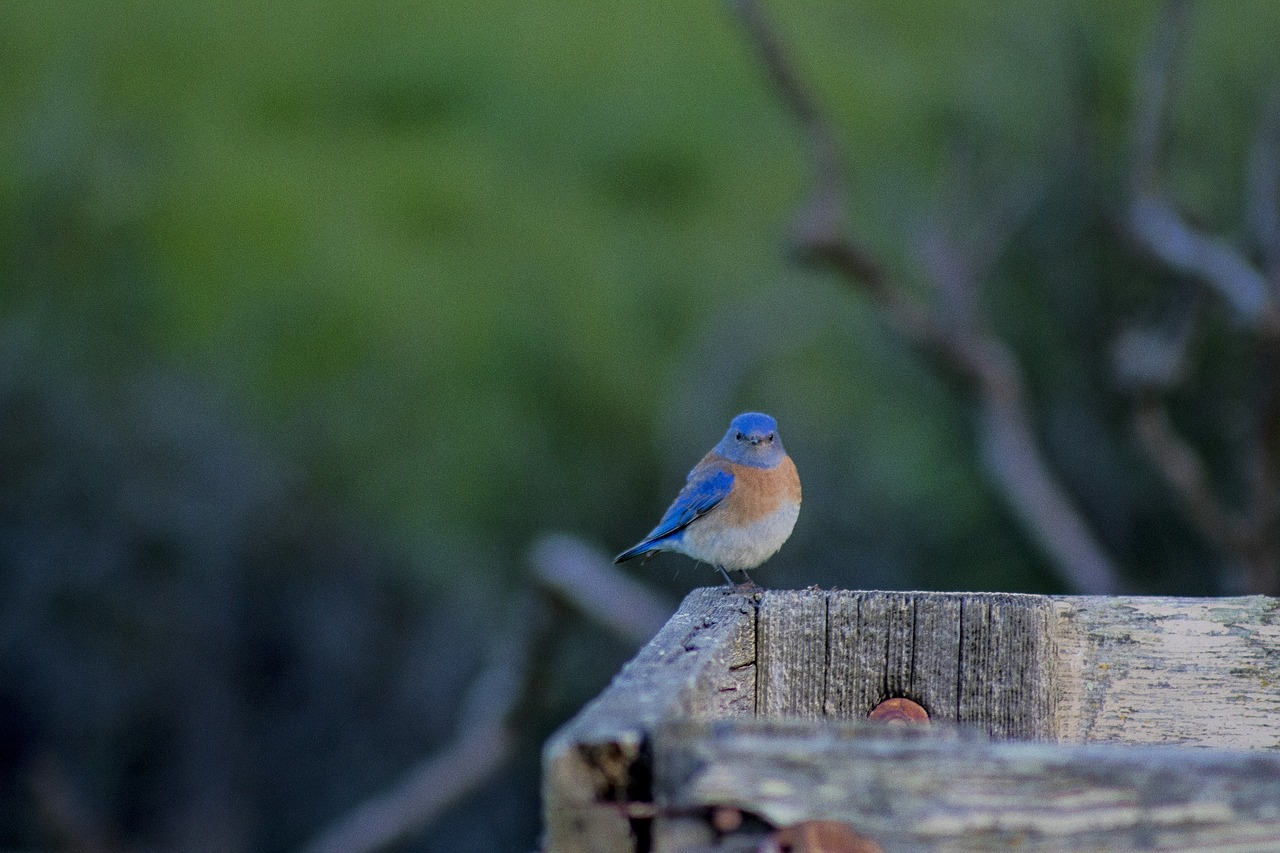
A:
(758, 492)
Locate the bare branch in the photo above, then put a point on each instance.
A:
(952, 274)
(1251, 537)
(1183, 469)
(1162, 231)
(483, 744)
(1013, 457)
(1153, 220)
(1151, 357)
(1149, 365)
(485, 740)
(959, 248)
(63, 814)
(1153, 91)
(1263, 187)
(820, 226)
(1145, 360)
(457, 770)
(586, 578)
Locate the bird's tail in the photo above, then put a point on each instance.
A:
(648, 548)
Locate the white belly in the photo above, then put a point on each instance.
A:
(738, 548)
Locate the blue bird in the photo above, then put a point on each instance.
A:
(738, 506)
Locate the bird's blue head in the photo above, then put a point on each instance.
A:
(752, 440)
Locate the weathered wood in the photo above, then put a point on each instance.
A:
(1193, 671)
(979, 658)
(882, 646)
(1112, 670)
(1006, 665)
(792, 646)
(871, 651)
(935, 672)
(701, 665)
(924, 789)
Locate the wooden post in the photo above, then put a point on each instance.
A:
(1041, 708)
(597, 771)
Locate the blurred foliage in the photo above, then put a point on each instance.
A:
(469, 272)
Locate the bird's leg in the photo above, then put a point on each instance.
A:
(725, 575)
(747, 582)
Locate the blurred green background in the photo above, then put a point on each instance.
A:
(315, 315)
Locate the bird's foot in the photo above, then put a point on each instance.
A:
(747, 585)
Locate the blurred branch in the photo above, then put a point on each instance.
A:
(1164, 233)
(1183, 469)
(1038, 500)
(1249, 537)
(820, 226)
(1153, 359)
(576, 574)
(956, 264)
(1152, 219)
(1011, 453)
(1263, 188)
(585, 578)
(457, 770)
(64, 816)
(482, 745)
(1151, 368)
(1152, 93)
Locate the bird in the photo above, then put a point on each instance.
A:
(738, 505)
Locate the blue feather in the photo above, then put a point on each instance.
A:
(704, 491)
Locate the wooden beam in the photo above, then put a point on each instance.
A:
(1190, 671)
(924, 789)
(596, 771)
(1119, 671)
(1006, 665)
(792, 648)
(980, 658)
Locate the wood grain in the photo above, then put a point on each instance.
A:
(1006, 663)
(1191, 671)
(979, 658)
(701, 665)
(882, 645)
(749, 701)
(792, 648)
(922, 789)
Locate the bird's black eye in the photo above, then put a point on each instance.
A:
(769, 437)
(739, 436)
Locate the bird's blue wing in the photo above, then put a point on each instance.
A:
(699, 496)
